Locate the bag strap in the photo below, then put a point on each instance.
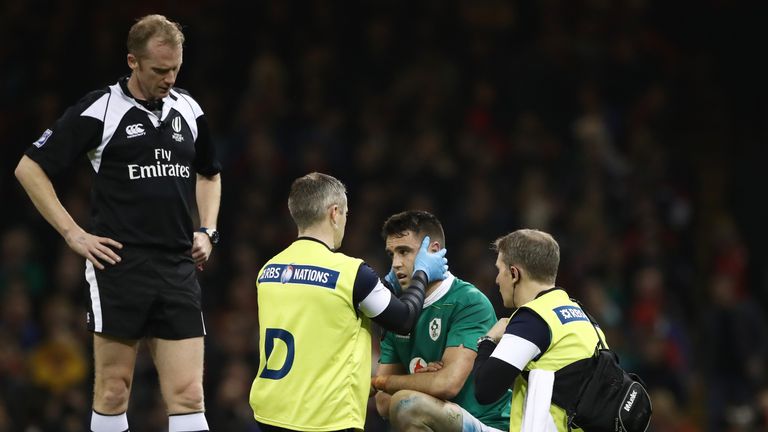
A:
(595, 325)
(599, 346)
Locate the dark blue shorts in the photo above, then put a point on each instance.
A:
(149, 293)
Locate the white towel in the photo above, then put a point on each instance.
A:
(536, 416)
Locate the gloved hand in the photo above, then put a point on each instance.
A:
(435, 265)
(391, 279)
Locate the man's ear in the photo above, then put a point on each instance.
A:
(133, 62)
(515, 272)
(435, 246)
(334, 214)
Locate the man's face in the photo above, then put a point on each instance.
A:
(505, 282)
(156, 71)
(403, 249)
(341, 222)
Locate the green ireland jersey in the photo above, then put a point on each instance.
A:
(455, 314)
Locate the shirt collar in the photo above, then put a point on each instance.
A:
(155, 106)
(440, 291)
(546, 291)
(312, 239)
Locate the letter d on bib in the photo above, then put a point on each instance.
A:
(269, 345)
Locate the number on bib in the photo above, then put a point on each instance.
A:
(269, 345)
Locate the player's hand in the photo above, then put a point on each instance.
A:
(431, 367)
(434, 264)
(497, 331)
(94, 248)
(391, 279)
(379, 382)
(201, 248)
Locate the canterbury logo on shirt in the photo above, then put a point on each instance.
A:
(135, 130)
(300, 274)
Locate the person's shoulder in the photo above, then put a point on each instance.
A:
(345, 257)
(90, 98)
(465, 288)
(468, 293)
(186, 98)
(96, 94)
(184, 93)
(180, 90)
(89, 107)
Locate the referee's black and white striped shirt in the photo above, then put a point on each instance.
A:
(145, 164)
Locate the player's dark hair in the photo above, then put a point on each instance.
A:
(419, 222)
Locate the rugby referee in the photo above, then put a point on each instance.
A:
(153, 158)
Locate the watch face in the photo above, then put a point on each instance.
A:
(214, 236)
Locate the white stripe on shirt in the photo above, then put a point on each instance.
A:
(376, 301)
(516, 351)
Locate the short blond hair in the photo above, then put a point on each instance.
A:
(151, 26)
(312, 195)
(535, 251)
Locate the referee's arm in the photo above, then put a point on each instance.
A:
(207, 189)
(208, 168)
(38, 186)
(208, 194)
(376, 301)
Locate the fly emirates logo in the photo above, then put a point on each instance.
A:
(159, 169)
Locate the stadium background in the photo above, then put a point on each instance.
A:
(634, 131)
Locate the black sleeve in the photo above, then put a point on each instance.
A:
(71, 136)
(365, 282)
(206, 161)
(530, 326)
(401, 314)
(493, 377)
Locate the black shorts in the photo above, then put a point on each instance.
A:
(149, 293)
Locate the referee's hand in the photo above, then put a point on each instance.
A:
(94, 248)
(201, 249)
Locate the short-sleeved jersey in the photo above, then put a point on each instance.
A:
(456, 313)
(573, 338)
(315, 347)
(145, 165)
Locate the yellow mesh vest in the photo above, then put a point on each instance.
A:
(314, 347)
(573, 338)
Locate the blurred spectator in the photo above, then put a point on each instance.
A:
(58, 363)
(17, 261)
(737, 355)
(659, 338)
(668, 415)
(17, 318)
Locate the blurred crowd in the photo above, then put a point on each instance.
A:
(630, 130)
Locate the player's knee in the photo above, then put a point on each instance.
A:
(187, 398)
(111, 395)
(408, 408)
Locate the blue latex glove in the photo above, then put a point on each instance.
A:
(435, 265)
(391, 279)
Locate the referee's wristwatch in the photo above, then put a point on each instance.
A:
(211, 233)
